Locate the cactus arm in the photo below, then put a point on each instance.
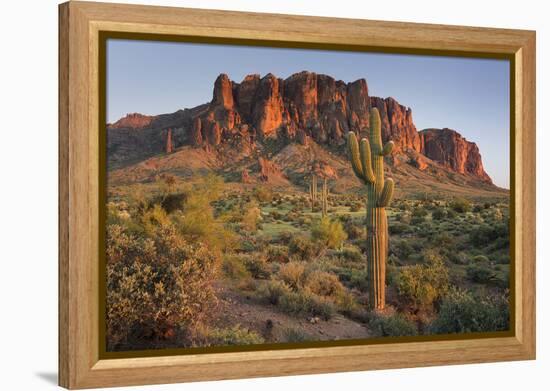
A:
(366, 163)
(354, 154)
(375, 134)
(388, 148)
(387, 193)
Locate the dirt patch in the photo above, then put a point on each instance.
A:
(236, 308)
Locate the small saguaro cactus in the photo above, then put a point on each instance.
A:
(313, 191)
(324, 198)
(367, 161)
(169, 146)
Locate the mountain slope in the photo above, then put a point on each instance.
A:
(279, 131)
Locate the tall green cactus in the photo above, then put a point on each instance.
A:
(313, 191)
(324, 198)
(367, 161)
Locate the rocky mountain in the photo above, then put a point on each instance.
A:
(261, 117)
(448, 148)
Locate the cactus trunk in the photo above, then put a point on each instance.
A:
(313, 191)
(169, 147)
(324, 198)
(368, 165)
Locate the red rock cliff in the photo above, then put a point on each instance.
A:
(448, 148)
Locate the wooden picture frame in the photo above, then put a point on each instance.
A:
(80, 27)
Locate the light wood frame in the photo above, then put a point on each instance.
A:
(80, 365)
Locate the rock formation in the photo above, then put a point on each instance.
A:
(448, 148)
(304, 108)
(133, 120)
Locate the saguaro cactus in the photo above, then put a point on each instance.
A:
(169, 147)
(367, 161)
(324, 198)
(313, 191)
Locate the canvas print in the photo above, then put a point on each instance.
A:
(265, 196)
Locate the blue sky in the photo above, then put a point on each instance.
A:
(471, 96)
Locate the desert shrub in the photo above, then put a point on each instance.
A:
(346, 303)
(251, 217)
(305, 302)
(196, 222)
(405, 218)
(398, 228)
(234, 336)
(277, 253)
(458, 258)
(403, 249)
(355, 207)
(323, 284)
(451, 214)
(462, 312)
(271, 291)
(302, 247)
(419, 212)
(487, 234)
(439, 214)
(443, 241)
(354, 230)
(234, 268)
(291, 334)
(169, 202)
(257, 265)
(263, 194)
(293, 273)
(154, 218)
(423, 284)
(156, 283)
(358, 280)
(352, 254)
(392, 326)
(481, 259)
(417, 220)
(329, 233)
(461, 205)
(480, 273)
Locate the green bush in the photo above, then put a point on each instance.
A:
(329, 233)
(293, 335)
(306, 302)
(271, 291)
(234, 336)
(423, 284)
(462, 312)
(403, 249)
(263, 194)
(419, 212)
(303, 247)
(352, 254)
(443, 241)
(157, 284)
(439, 214)
(257, 265)
(398, 228)
(359, 280)
(234, 268)
(488, 234)
(355, 207)
(354, 230)
(324, 284)
(481, 259)
(277, 253)
(293, 274)
(461, 205)
(480, 273)
(392, 326)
